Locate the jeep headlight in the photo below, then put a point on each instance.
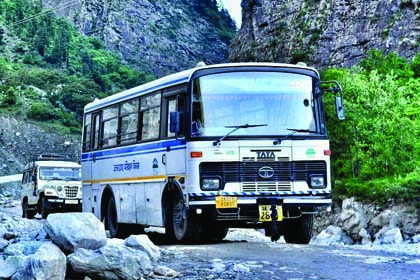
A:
(208, 184)
(317, 182)
(59, 188)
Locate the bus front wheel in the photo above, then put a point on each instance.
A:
(299, 230)
(186, 228)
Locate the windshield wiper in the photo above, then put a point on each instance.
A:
(278, 141)
(235, 128)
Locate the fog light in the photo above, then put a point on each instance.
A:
(210, 184)
(317, 182)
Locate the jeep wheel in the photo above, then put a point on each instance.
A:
(26, 213)
(45, 208)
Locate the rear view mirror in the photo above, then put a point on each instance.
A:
(174, 122)
(340, 108)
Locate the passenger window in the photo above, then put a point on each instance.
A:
(129, 121)
(110, 126)
(150, 108)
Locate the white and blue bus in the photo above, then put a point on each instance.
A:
(240, 145)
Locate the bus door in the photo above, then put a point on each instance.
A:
(90, 189)
(174, 158)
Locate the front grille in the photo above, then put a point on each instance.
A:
(71, 191)
(266, 187)
(246, 172)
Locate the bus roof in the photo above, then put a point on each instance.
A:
(180, 78)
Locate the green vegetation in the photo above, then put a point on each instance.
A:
(376, 150)
(48, 72)
(218, 16)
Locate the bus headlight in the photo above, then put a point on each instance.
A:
(317, 182)
(210, 184)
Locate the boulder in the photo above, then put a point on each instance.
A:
(332, 235)
(143, 243)
(113, 261)
(352, 218)
(33, 260)
(71, 231)
(388, 235)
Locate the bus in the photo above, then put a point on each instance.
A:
(235, 145)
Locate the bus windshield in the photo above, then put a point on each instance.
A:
(279, 100)
(60, 173)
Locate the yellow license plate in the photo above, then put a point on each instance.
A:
(226, 202)
(265, 213)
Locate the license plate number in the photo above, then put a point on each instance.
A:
(72, 201)
(265, 213)
(226, 202)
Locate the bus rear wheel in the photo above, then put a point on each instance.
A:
(185, 227)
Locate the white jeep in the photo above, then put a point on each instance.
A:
(50, 184)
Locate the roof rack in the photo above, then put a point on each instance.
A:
(50, 157)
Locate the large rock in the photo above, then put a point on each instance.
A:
(114, 261)
(143, 243)
(71, 231)
(14, 227)
(332, 235)
(29, 260)
(388, 236)
(352, 218)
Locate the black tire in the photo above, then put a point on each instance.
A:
(112, 218)
(26, 213)
(185, 227)
(299, 230)
(45, 208)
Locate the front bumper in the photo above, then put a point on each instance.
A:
(65, 203)
(247, 210)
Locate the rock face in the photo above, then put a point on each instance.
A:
(159, 35)
(326, 32)
(20, 139)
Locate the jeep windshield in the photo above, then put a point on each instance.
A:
(60, 173)
(277, 99)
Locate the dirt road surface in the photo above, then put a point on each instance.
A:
(267, 260)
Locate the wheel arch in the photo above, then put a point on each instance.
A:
(106, 195)
(171, 188)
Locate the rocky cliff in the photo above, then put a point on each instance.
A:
(325, 32)
(19, 139)
(158, 36)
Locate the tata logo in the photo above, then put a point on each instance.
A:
(265, 154)
(266, 172)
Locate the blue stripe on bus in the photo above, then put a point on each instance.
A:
(127, 96)
(147, 148)
(250, 194)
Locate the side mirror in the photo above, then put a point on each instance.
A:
(174, 122)
(339, 107)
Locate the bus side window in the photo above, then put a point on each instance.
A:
(129, 119)
(110, 126)
(87, 132)
(150, 113)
